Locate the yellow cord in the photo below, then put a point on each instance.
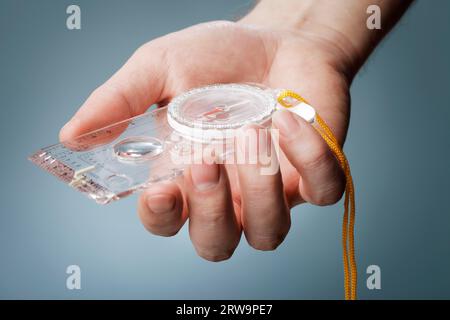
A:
(348, 223)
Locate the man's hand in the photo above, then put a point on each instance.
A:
(221, 202)
(313, 47)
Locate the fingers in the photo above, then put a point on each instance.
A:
(322, 181)
(160, 209)
(129, 92)
(213, 225)
(265, 214)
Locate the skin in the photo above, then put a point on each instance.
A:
(220, 202)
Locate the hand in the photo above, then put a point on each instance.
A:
(222, 202)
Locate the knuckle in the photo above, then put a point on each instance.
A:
(143, 49)
(267, 242)
(215, 256)
(215, 217)
(316, 158)
(159, 227)
(107, 90)
(260, 190)
(165, 225)
(166, 233)
(210, 213)
(98, 92)
(331, 193)
(327, 199)
(163, 230)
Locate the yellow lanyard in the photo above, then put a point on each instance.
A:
(348, 224)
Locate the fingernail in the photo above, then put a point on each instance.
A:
(285, 121)
(161, 203)
(205, 176)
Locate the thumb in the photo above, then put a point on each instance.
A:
(129, 92)
(322, 181)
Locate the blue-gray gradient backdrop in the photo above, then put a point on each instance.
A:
(398, 145)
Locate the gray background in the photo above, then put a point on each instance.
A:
(398, 147)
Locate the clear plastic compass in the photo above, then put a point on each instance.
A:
(113, 162)
(215, 111)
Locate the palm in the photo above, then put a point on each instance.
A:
(227, 52)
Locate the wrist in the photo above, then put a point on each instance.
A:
(341, 26)
(313, 20)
